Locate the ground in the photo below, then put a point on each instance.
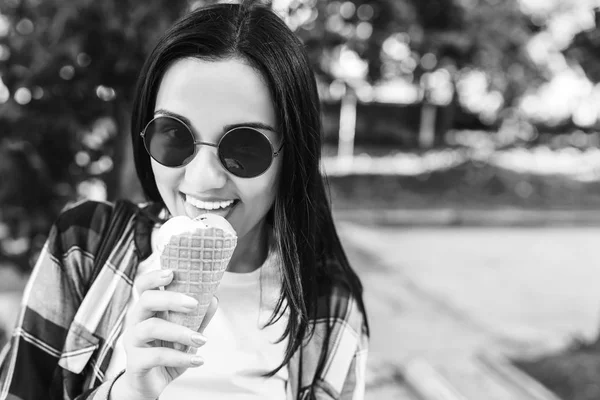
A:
(444, 294)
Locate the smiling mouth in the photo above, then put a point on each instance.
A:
(211, 206)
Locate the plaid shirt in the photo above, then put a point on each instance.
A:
(65, 333)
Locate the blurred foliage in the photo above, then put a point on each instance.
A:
(410, 38)
(68, 70)
(585, 50)
(472, 184)
(28, 201)
(71, 67)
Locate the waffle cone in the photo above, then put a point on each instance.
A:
(198, 259)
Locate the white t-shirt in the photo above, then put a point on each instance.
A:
(238, 351)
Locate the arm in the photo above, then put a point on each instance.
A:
(336, 371)
(354, 385)
(29, 368)
(29, 360)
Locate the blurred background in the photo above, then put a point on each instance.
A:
(461, 147)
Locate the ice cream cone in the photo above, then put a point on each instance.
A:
(198, 252)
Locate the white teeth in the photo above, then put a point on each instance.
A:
(208, 205)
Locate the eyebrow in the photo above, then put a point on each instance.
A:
(226, 128)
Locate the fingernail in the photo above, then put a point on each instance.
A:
(196, 360)
(166, 273)
(199, 339)
(189, 302)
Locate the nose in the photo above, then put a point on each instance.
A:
(205, 171)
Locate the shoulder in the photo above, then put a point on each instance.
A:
(86, 214)
(81, 226)
(340, 306)
(94, 216)
(85, 223)
(340, 295)
(339, 339)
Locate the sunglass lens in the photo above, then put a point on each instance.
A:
(169, 141)
(245, 152)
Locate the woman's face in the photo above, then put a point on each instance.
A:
(213, 96)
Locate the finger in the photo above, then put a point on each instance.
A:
(153, 279)
(159, 329)
(153, 301)
(210, 312)
(151, 357)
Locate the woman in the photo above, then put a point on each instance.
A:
(228, 112)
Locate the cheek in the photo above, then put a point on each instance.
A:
(258, 195)
(260, 192)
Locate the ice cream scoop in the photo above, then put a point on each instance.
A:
(197, 251)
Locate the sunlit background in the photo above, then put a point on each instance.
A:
(435, 112)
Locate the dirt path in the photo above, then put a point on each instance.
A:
(445, 294)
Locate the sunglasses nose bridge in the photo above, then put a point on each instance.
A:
(201, 143)
(198, 144)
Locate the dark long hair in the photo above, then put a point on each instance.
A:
(313, 260)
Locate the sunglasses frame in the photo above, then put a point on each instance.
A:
(199, 142)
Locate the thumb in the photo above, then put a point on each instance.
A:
(210, 312)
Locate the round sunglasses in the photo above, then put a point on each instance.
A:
(245, 152)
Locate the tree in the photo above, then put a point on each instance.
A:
(413, 39)
(584, 50)
(68, 70)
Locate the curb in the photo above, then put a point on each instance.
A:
(517, 379)
(463, 217)
(427, 383)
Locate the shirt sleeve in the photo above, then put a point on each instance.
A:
(345, 356)
(354, 385)
(29, 368)
(29, 360)
(101, 392)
